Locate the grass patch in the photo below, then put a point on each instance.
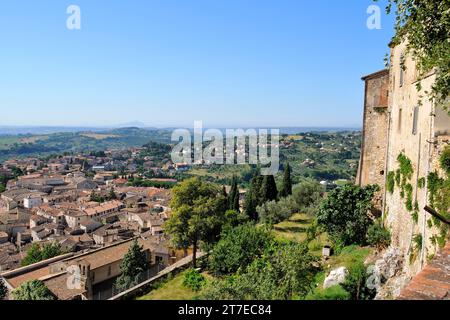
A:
(293, 229)
(173, 290)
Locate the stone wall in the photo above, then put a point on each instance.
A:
(412, 118)
(373, 149)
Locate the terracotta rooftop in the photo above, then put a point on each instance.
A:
(433, 282)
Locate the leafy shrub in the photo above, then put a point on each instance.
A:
(332, 293)
(356, 283)
(444, 160)
(194, 280)
(378, 235)
(285, 271)
(238, 247)
(344, 214)
(273, 212)
(307, 195)
(391, 182)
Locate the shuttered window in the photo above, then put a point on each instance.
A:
(415, 120)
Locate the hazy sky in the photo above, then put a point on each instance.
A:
(168, 63)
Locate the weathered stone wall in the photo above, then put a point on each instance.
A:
(375, 128)
(420, 147)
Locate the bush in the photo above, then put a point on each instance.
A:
(194, 280)
(274, 212)
(378, 236)
(284, 272)
(356, 283)
(444, 160)
(238, 247)
(307, 195)
(344, 214)
(332, 293)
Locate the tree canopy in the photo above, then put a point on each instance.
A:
(134, 263)
(33, 290)
(344, 214)
(198, 214)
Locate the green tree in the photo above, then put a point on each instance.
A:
(33, 255)
(133, 264)
(308, 195)
(425, 25)
(233, 197)
(269, 189)
(238, 247)
(253, 197)
(356, 283)
(51, 250)
(273, 212)
(112, 195)
(344, 214)
(194, 280)
(38, 253)
(285, 271)
(287, 182)
(33, 290)
(198, 214)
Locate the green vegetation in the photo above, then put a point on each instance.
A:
(307, 196)
(33, 290)
(416, 247)
(237, 248)
(134, 263)
(284, 272)
(444, 160)
(39, 253)
(378, 236)
(58, 143)
(198, 214)
(355, 283)
(344, 214)
(286, 189)
(390, 183)
(174, 289)
(332, 293)
(194, 280)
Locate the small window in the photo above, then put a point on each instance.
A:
(415, 120)
(399, 128)
(402, 71)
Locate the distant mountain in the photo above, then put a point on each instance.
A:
(137, 124)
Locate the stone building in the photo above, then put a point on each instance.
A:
(372, 164)
(419, 129)
(401, 121)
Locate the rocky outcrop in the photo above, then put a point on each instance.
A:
(335, 277)
(386, 275)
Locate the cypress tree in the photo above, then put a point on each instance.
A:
(251, 204)
(269, 189)
(287, 182)
(232, 195)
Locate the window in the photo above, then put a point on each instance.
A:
(415, 120)
(402, 71)
(399, 128)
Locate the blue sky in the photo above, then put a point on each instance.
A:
(168, 63)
